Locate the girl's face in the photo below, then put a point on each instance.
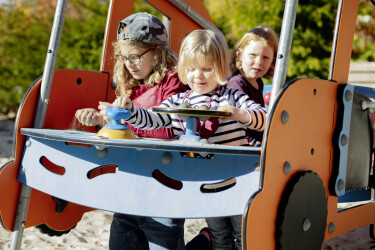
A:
(201, 77)
(140, 65)
(256, 58)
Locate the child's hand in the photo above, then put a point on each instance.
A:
(123, 102)
(102, 107)
(236, 114)
(88, 117)
(227, 108)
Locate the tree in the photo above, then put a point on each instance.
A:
(312, 39)
(25, 37)
(364, 39)
(312, 36)
(25, 29)
(83, 34)
(20, 52)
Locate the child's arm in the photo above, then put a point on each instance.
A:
(92, 117)
(88, 116)
(143, 118)
(246, 111)
(254, 117)
(237, 114)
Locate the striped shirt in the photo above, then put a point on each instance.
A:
(229, 132)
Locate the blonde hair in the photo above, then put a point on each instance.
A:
(259, 33)
(163, 60)
(206, 46)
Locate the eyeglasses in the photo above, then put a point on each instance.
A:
(133, 59)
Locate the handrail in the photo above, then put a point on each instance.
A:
(49, 67)
(106, 35)
(334, 43)
(181, 5)
(285, 45)
(45, 90)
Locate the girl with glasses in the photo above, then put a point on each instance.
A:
(143, 72)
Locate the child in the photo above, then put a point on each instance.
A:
(142, 72)
(203, 65)
(254, 57)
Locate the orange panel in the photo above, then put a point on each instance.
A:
(310, 127)
(72, 90)
(345, 41)
(305, 141)
(9, 186)
(350, 219)
(66, 97)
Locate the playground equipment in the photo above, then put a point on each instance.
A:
(317, 150)
(115, 129)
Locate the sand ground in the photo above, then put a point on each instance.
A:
(92, 232)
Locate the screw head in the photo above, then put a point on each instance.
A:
(340, 184)
(166, 158)
(344, 139)
(331, 227)
(306, 224)
(102, 152)
(284, 117)
(287, 167)
(348, 95)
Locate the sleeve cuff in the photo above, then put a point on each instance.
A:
(250, 119)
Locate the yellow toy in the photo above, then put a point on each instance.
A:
(115, 129)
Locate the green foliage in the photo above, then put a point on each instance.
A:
(20, 52)
(83, 34)
(142, 6)
(312, 37)
(24, 43)
(25, 36)
(235, 17)
(364, 39)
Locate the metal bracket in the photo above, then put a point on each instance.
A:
(343, 140)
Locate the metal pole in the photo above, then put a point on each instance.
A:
(181, 5)
(49, 67)
(45, 90)
(106, 35)
(283, 52)
(335, 38)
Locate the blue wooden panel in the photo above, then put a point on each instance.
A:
(133, 189)
(156, 144)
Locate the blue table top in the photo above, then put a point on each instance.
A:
(145, 143)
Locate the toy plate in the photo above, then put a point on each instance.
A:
(191, 112)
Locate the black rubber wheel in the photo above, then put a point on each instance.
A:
(302, 215)
(45, 229)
